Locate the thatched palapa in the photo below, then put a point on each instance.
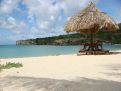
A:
(90, 20)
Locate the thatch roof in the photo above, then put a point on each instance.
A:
(90, 20)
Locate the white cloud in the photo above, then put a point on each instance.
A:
(14, 26)
(44, 11)
(34, 30)
(7, 6)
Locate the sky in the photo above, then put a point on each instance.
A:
(26, 19)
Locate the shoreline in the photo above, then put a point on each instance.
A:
(115, 52)
(37, 56)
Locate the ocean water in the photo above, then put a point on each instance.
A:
(16, 51)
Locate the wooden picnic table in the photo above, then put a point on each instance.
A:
(93, 48)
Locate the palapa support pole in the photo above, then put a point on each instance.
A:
(91, 38)
(91, 42)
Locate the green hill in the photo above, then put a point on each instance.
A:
(74, 39)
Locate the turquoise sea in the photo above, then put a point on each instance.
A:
(14, 51)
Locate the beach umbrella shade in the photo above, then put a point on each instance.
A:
(89, 21)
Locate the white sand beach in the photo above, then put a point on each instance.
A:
(63, 73)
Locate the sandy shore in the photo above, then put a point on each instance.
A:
(63, 73)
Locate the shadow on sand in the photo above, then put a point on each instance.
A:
(115, 70)
(115, 52)
(45, 84)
